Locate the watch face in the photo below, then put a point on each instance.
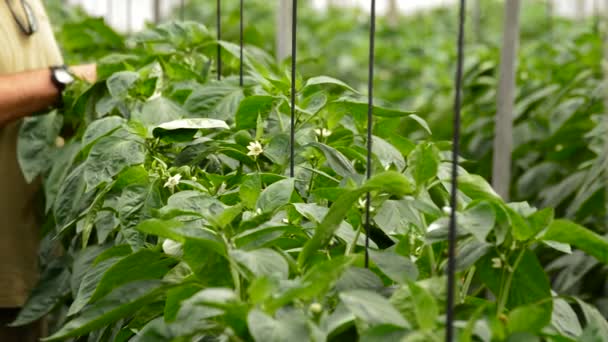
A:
(63, 76)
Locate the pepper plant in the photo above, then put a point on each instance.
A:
(175, 219)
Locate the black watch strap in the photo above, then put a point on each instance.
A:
(61, 77)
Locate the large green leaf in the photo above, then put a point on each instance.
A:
(36, 143)
(423, 162)
(569, 232)
(262, 262)
(53, 286)
(110, 156)
(529, 318)
(120, 303)
(275, 196)
(252, 107)
(372, 308)
(336, 160)
(142, 265)
(425, 306)
(399, 268)
(288, 326)
(389, 182)
(178, 231)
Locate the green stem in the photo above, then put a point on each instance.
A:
(351, 249)
(432, 261)
(504, 293)
(467, 284)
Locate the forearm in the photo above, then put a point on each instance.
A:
(25, 93)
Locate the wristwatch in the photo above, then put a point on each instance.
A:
(61, 77)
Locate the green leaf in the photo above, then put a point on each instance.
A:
(358, 109)
(336, 160)
(277, 149)
(288, 326)
(110, 156)
(529, 318)
(178, 231)
(53, 286)
(586, 240)
(101, 128)
(192, 204)
(425, 307)
(262, 262)
(423, 162)
(478, 219)
(596, 329)
(218, 100)
(250, 189)
(188, 124)
(71, 199)
(389, 182)
(399, 268)
(275, 196)
(120, 303)
(119, 83)
(387, 154)
(142, 265)
(252, 107)
(157, 111)
(372, 309)
(476, 187)
(89, 283)
(323, 80)
(36, 143)
(530, 283)
(564, 319)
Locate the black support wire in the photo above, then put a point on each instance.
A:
(449, 330)
(219, 37)
(292, 130)
(370, 123)
(241, 45)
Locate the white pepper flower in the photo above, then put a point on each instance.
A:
(255, 149)
(496, 263)
(172, 248)
(173, 181)
(322, 132)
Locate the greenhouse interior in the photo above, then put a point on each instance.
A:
(313, 170)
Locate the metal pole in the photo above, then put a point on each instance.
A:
(157, 12)
(503, 130)
(129, 16)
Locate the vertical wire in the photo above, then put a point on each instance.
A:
(370, 114)
(241, 45)
(449, 334)
(292, 137)
(182, 10)
(219, 37)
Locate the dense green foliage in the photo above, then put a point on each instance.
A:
(176, 219)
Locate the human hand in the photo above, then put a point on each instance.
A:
(87, 72)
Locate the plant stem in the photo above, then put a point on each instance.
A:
(351, 249)
(504, 293)
(467, 284)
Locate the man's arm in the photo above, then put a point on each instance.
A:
(25, 93)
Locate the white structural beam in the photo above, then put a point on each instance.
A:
(503, 129)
